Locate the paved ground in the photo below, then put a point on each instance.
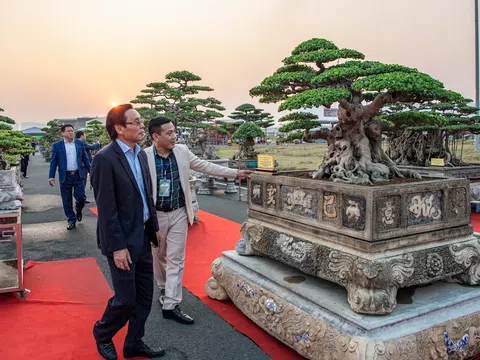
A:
(45, 238)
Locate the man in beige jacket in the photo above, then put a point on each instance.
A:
(170, 165)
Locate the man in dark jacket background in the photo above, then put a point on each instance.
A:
(80, 135)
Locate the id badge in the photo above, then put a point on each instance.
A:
(164, 188)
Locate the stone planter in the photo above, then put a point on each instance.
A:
(370, 239)
(318, 238)
(10, 189)
(471, 173)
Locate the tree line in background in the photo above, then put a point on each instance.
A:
(420, 118)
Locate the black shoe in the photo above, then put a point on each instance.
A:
(143, 350)
(71, 226)
(79, 215)
(107, 350)
(87, 202)
(177, 315)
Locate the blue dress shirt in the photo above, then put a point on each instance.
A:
(134, 162)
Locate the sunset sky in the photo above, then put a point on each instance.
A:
(76, 58)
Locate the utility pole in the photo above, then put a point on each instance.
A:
(477, 75)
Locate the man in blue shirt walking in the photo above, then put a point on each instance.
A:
(70, 157)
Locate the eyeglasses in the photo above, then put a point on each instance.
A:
(136, 122)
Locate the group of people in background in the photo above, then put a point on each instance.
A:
(72, 157)
(144, 208)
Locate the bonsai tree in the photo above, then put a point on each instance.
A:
(13, 143)
(52, 134)
(179, 98)
(318, 73)
(300, 125)
(420, 133)
(248, 113)
(247, 132)
(96, 130)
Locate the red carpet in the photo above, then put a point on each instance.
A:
(475, 221)
(55, 321)
(206, 241)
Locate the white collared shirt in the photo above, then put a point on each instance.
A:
(71, 150)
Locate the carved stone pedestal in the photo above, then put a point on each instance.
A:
(312, 316)
(208, 183)
(231, 188)
(372, 240)
(204, 188)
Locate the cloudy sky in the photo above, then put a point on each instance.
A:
(76, 58)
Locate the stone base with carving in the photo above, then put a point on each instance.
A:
(312, 316)
(370, 278)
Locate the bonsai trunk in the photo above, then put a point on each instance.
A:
(247, 150)
(415, 148)
(355, 154)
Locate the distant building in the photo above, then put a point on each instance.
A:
(78, 123)
(34, 131)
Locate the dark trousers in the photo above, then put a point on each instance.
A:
(23, 167)
(77, 184)
(85, 187)
(132, 300)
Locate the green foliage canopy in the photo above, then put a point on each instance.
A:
(180, 99)
(13, 143)
(248, 130)
(318, 73)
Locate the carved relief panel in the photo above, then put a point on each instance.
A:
(299, 201)
(354, 212)
(424, 208)
(389, 212)
(271, 198)
(256, 193)
(457, 203)
(330, 207)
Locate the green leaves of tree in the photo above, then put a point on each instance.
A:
(314, 98)
(248, 130)
(13, 143)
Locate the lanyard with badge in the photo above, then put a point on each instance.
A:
(163, 184)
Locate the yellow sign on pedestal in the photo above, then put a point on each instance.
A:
(266, 162)
(437, 162)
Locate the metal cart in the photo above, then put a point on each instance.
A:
(11, 258)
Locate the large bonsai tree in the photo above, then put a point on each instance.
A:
(13, 143)
(180, 98)
(318, 73)
(52, 134)
(424, 131)
(253, 120)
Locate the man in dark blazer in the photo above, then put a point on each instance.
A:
(80, 135)
(126, 226)
(73, 165)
